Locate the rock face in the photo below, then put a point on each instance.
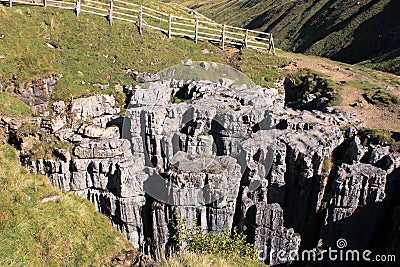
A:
(144, 77)
(354, 186)
(224, 157)
(37, 92)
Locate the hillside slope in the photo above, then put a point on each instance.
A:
(348, 31)
(42, 227)
(89, 53)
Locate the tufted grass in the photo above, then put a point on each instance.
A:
(9, 105)
(375, 94)
(65, 232)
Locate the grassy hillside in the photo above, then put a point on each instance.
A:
(348, 31)
(89, 52)
(10, 105)
(67, 231)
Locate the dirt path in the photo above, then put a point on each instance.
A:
(374, 116)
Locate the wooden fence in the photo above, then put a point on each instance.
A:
(169, 24)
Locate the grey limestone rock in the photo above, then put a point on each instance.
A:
(353, 205)
(59, 107)
(273, 237)
(92, 131)
(358, 185)
(85, 109)
(223, 157)
(145, 77)
(105, 148)
(187, 62)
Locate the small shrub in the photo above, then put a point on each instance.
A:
(176, 100)
(381, 137)
(381, 97)
(226, 243)
(307, 82)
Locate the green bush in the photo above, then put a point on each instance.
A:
(381, 97)
(226, 243)
(309, 82)
(381, 137)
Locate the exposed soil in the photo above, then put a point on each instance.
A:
(383, 117)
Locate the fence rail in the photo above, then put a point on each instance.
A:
(145, 17)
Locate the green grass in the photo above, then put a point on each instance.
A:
(90, 52)
(375, 94)
(9, 105)
(381, 97)
(388, 61)
(65, 232)
(381, 137)
(210, 72)
(263, 70)
(382, 76)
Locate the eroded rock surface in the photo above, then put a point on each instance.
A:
(223, 157)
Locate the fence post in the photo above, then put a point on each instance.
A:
(78, 7)
(10, 3)
(141, 20)
(272, 45)
(45, 3)
(246, 36)
(110, 16)
(196, 32)
(169, 26)
(223, 37)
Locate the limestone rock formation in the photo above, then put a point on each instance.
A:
(222, 156)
